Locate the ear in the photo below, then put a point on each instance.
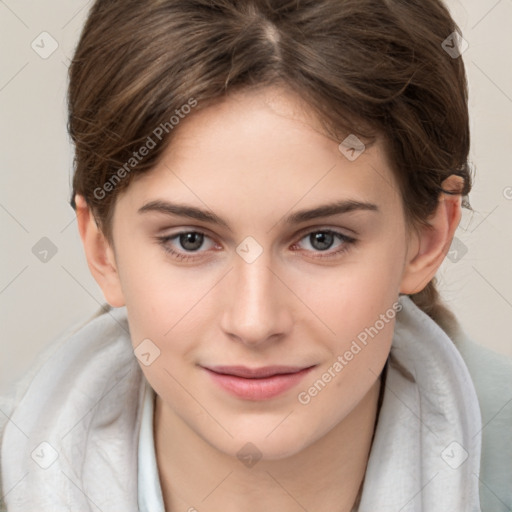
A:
(429, 245)
(100, 256)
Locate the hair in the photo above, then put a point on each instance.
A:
(365, 67)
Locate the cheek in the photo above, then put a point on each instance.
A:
(361, 309)
(357, 360)
(165, 346)
(158, 295)
(375, 282)
(355, 296)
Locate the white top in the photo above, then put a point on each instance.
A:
(150, 492)
(81, 436)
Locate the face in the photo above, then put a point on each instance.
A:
(227, 264)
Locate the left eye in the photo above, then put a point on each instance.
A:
(322, 241)
(192, 241)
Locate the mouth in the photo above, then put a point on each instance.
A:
(257, 383)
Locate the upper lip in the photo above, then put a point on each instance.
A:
(255, 373)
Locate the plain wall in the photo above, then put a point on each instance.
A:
(39, 300)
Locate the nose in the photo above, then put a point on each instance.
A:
(256, 308)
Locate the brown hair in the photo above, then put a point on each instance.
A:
(365, 66)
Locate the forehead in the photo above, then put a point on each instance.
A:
(262, 149)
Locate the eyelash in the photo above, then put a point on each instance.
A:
(347, 242)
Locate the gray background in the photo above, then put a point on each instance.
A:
(39, 300)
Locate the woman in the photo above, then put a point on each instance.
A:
(265, 191)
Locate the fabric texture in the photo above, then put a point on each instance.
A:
(77, 439)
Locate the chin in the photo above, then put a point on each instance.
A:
(263, 443)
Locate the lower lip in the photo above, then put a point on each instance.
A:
(258, 389)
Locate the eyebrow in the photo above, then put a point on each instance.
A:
(327, 210)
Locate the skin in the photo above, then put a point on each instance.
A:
(253, 159)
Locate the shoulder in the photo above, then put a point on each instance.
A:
(491, 373)
(11, 398)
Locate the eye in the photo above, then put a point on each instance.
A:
(322, 240)
(188, 241)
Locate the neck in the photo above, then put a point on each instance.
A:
(327, 475)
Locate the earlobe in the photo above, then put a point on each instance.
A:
(100, 255)
(432, 242)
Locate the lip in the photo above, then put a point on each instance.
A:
(257, 383)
